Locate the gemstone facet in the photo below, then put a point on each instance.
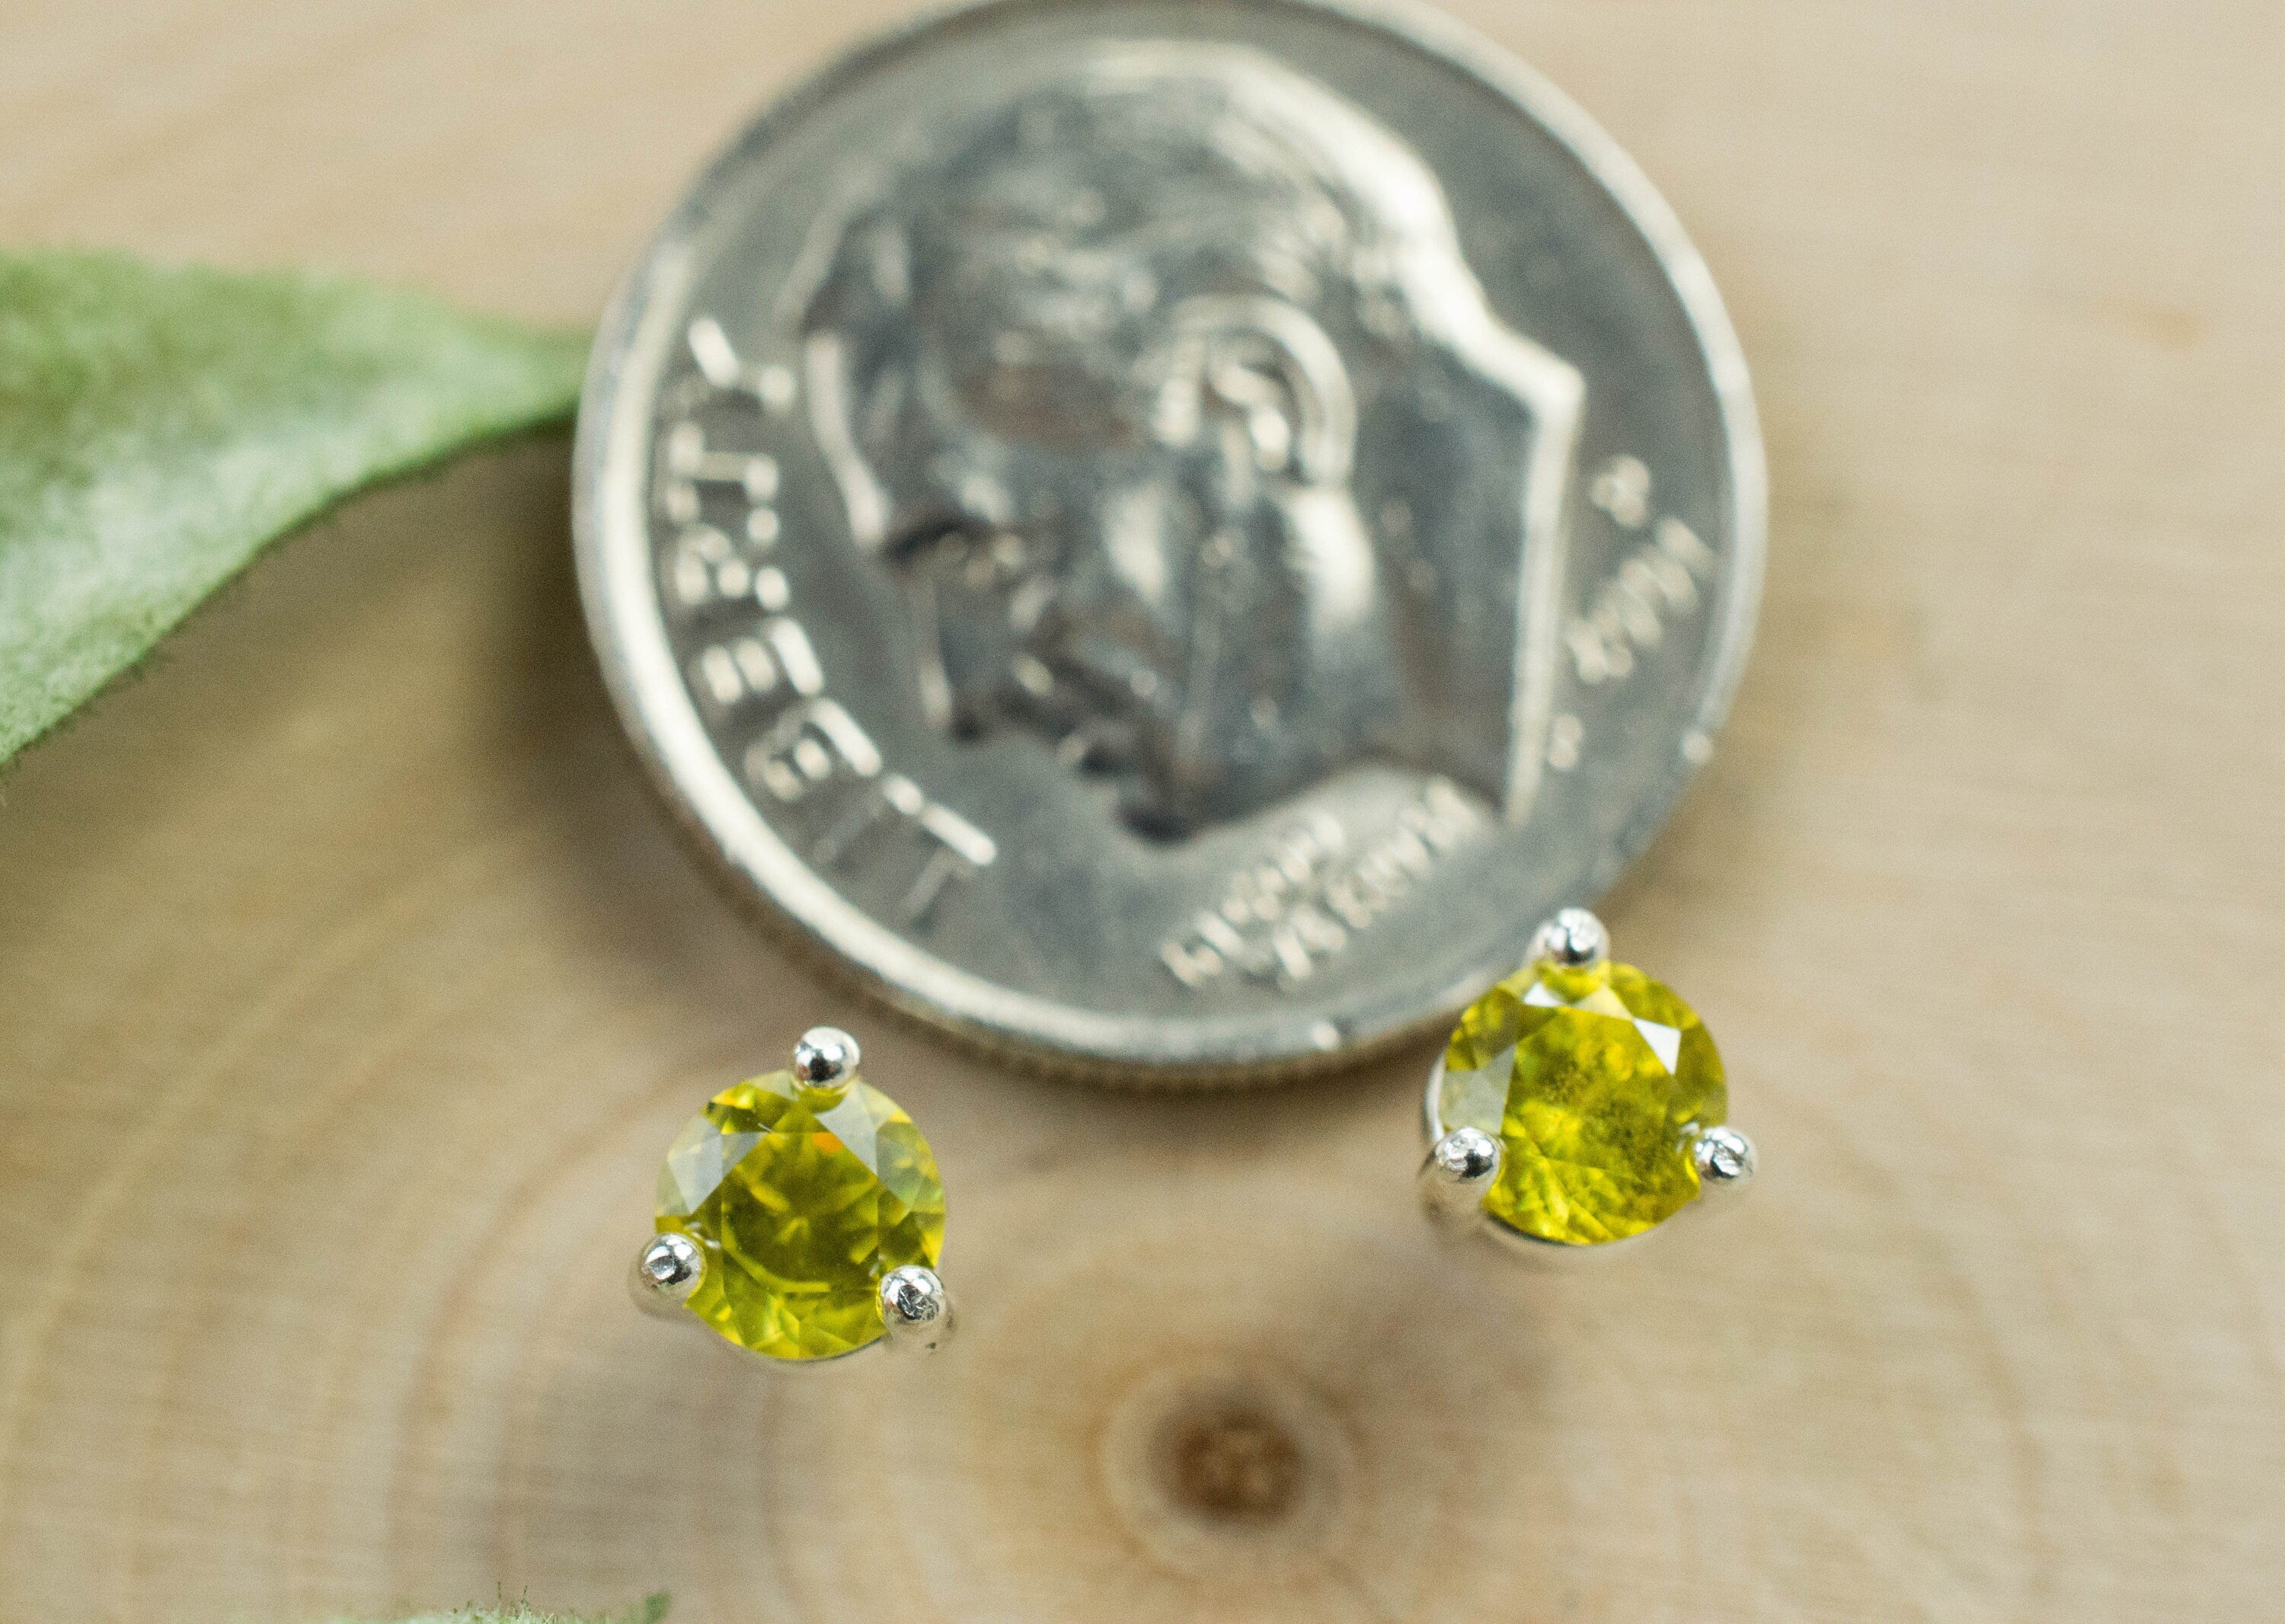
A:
(1596, 1081)
(801, 1199)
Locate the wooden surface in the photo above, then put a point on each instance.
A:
(350, 984)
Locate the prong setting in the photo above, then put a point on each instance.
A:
(816, 1142)
(1573, 939)
(826, 1059)
(1460, 1167)
(915, 1309)
(666, 1270)
(1726, 1159)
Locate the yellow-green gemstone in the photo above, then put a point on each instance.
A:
(801, 1202)
(1595, 1081)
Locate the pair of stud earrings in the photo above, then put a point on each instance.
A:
(1579, 1104)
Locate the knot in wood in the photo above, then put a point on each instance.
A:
(1231, 1460)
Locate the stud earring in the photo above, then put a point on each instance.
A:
(1579, 1103)
(800, 1217)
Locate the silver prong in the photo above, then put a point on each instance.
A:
(666, 1270)
(1461, 1167)
(825, 1059)
(1573, 939)
(915, 1309)
(1726, 1159)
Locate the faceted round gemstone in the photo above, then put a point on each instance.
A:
(801, 1201)
(1595, 1081)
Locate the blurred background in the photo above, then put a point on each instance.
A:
(351, 981)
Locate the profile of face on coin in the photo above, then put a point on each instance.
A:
(1125, 386)
(1171, 535)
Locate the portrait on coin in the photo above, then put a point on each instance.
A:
(1164, 390)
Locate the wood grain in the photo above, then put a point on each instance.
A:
(349, 982)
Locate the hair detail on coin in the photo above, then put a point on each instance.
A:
(1166, 393)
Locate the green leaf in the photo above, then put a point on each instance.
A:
(159, 426)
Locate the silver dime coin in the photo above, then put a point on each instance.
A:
(1170, 536)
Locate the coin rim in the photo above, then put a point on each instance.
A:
(626, 621)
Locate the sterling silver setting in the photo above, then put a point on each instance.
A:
(1573, 937)
(1463, 1164)
(916, 1306)
(665, 1272)
(826, 1058)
